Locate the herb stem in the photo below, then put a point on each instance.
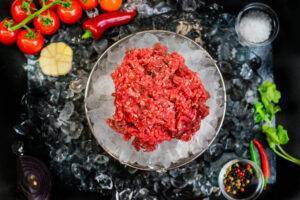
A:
(32, 16)
(288, 155)
(265, 110)
(291, 159)
(43, 3)
(27, 28)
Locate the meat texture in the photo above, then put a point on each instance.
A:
(157, 98)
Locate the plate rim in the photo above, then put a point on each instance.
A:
(139, 167)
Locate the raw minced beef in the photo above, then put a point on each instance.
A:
(157, 98)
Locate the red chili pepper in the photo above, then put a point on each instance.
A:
(265, 166)
(95, 27)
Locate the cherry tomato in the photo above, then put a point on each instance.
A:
(30, 42)
(47, 23)
(110, 5)
(69, 11)
(88, 4)
(7, 37)
(20, 9)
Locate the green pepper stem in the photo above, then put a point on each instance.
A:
(87, 34)
(32, 16)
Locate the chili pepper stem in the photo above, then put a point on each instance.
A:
(32, 16)
(87, 34)
(265, 182)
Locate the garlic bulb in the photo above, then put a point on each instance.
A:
(56, 59)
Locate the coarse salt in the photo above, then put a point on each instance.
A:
(255, 27)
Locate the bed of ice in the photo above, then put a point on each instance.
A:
(53, 126)
(100, 106)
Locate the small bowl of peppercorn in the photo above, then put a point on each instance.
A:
(241, 179)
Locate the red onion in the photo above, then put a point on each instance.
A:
(34, 178)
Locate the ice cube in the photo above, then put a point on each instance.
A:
(66, 112)
(101, 159)
(92, 13)
(61, 154)
(76, 169)
(246, 71)
(104, 181)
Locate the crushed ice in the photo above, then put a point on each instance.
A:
(77, 160)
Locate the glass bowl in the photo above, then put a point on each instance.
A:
(99, 103)
(261, 8)
(259, 184)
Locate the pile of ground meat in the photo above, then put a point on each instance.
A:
(157, 98)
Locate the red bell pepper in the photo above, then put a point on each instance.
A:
(95, 27)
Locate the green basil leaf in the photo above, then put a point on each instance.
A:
(269, 91)
(271, 133)
(260, 114)
(267, 104)
(272, 145)
(276, 96)
(282, 135)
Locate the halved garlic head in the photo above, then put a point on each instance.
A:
(56, 59)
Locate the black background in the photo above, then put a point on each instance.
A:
(287, 77)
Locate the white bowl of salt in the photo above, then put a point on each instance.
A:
(257, 25)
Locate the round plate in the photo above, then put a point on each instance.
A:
(99, 102)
